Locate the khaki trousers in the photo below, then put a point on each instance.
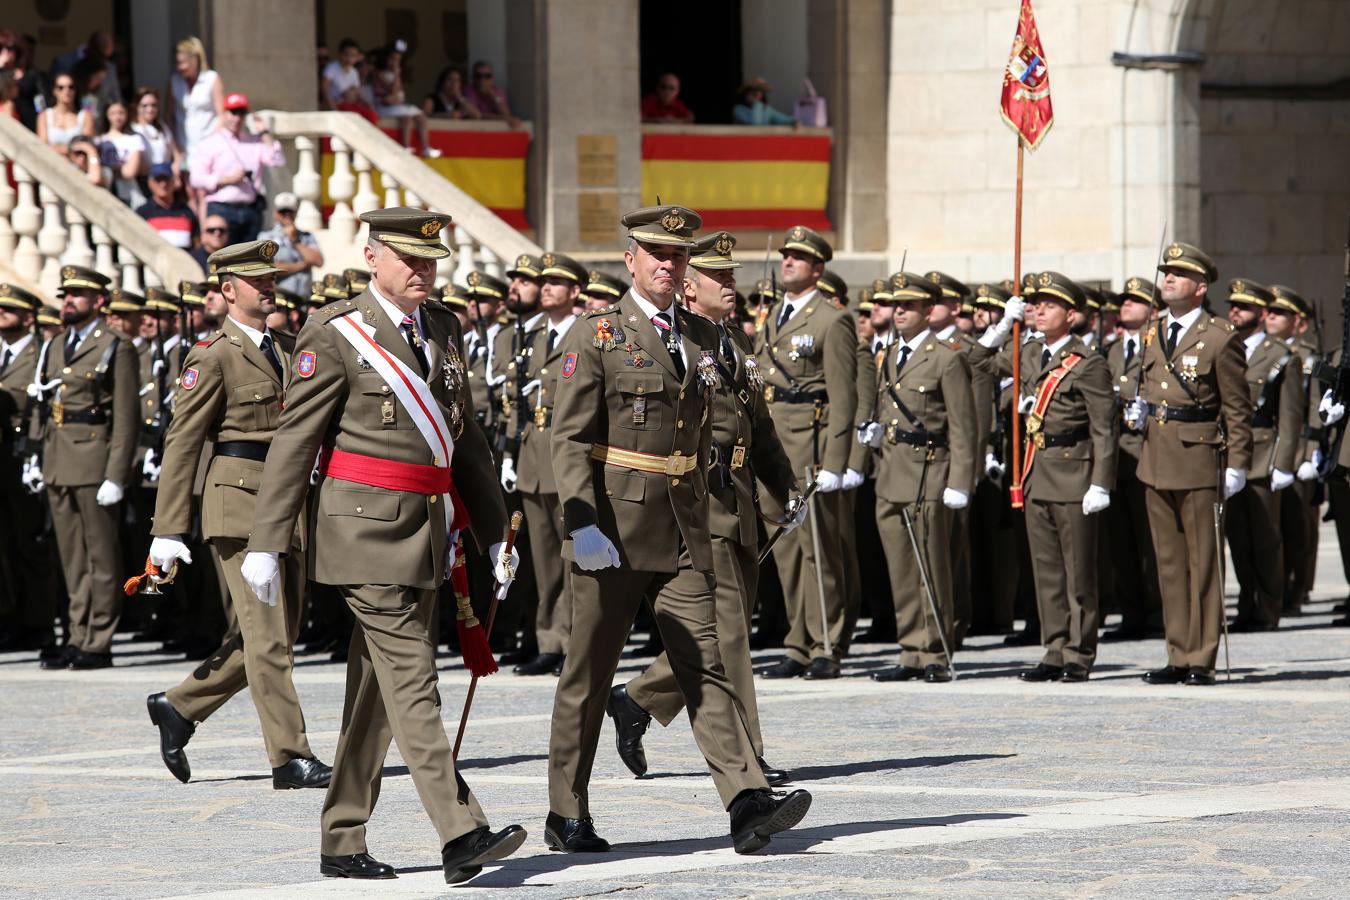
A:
(657, 690)
(1252, 525)
(552, 574)
(796, 561)
(91, 557)
(606, 602)
(258, 655)
(1064, 563)
(392, 694)
(1182, 522)
(919, 634)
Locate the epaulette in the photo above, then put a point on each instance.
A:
(330, 311)
(603, 311)
(954, 343)
(208, 341)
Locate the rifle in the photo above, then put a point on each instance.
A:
(24, 446)
(490, 430)
(1338, 384)
(510, 443)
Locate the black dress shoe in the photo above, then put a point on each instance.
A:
(357, 865)
(301, 773)
(630, 724)
(516, 657)
(788, 668)
(1042, 672)
(898, 673)
(1199, 677)
(84, 661)
(821, 668)
(773, 776)
(465, 856)
(1074, 672)
(174, 733)
(58, 660)
(1027, 637)
(573, 835)
(937, 673)
(1166, 675)
(758, 815)
(557, 670)
(543, 664)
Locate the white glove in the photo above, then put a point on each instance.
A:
(1279, 479)
(592, 550)
(164, 550)
(262, 573)
(828, 482)
(1095, 500)
(870, 434)
(954, 499)
(32, 475)
(993, 469)
(1331, 413)
(798, 515)
(109, 493)
(530, 388)
(852, 478)
(508, 475)
(1014, 310)
(1026, 404)
(505, 574)
(149, 468)
(1234, 480)
(1135, 414)
(1309, 469)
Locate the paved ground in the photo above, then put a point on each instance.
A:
(983, 788)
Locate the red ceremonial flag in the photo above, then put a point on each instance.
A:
(1026, 83)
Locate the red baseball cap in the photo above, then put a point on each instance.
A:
(236, 101)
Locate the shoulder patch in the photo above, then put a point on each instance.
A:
(306, 363)
(189, 378)
(569, 365)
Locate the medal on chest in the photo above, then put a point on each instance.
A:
(607, 335)
(707, 369)
(753, 375)
(1186, 371)
(452, 375)
(802, 346)
(640, 406)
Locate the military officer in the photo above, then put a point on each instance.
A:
(631, 438)
(229, 398)
(1068, 469)
(809, 349)
(926, 437)
(124, 313)
(89, 379)
(880, 317)
(1195, 412)
(744, 446)
(602, 289)
(1275, 379)
(1300, 507)
(357, 280)
(484, 296)
(378, 386)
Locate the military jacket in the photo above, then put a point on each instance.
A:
(479, 354)
(361, 534)
(1313, 430)
(511, 352)
(866, 381)
(619, 388)
(14, 381)
(1125, 383)
(1275, 379)
(534, 463)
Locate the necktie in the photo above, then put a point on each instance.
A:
(784, 313)
(728, 356)
(552, 340)
(415, 342)
(4, 359)
(1129, 350)
(269, 350)
(904, 358)
(1172, 331)
(72, 342)
(666, 328)
(1045, 359)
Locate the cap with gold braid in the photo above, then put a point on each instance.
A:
(357, 280)
(558, 265)
(881, 290)
(287, 299)
(951, 288)
(1291, 299)
(193, 293)
(1008, 285)
(764, 288)
(1245, 292)
(481, 284)
(526, 266)
(1054, 285)
(456, 297)
(120, 301)
(412, 232)
(316, 297)
(250, 259)
(47, 316)
(212, 277)
(604, 284)
(1092, 298)
(78, 277)
(1028, 291)
(799, 237)
(1140, 290)
(672, 226)
(992, 296)
(713, 251)
(1110, 300)
(158, 300)
(865, 304)
(1189, 258)
(334, 286)
(831, 283)
(14, 297)
(909, 286)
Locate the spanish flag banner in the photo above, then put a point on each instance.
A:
(1026, 83)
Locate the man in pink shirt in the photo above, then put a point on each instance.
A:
(228, 168)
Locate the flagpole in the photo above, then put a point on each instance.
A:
(1017, 341)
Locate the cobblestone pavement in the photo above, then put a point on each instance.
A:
(986, 787)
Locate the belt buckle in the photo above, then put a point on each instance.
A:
(1034, 422)
(675, 465)
(737, 457)
(768, 393)
(1038, 439)
(1161, 414)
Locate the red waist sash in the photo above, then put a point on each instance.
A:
(393, 475)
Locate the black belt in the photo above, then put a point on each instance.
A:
(254, 450)
(1044, 439)
(1182, 413)
(793, 395)
(733, 457)
(85, 417)
(897, 435)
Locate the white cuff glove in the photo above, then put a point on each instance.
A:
(1095, 500)
(1015, 310)
(1279, 479)
(1309, 469)
(1234, 480)
(164, 550)
(798, 513)
(109, 493)
(508, 475)
(1331, 413)
(150, 469)
(954, 499)
(262, 573)
(870, 434)
(1135, 414)
(32, 475)
(504, 572)
(592, 550)
(993, 469)
(828, 481)
(852, 479)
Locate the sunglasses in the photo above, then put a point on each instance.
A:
(216, 230)
(285, 212)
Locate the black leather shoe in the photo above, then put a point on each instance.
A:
(84, 661)
(898, 673)
(1166, 675)
(1074, 672)
(357, 865)
(557, 670)
(516, 657)
(630, 724)
(543, 664)
(936, 673)
(821, 668)
(1130, 634)
(573, 835)
(788, 668)
(773, 776)
(465, 856)
(301, 773)
(757, 816)
(58, 660)
(1042, 672)
(1200, 677)
(174, 733)
(1027, 637)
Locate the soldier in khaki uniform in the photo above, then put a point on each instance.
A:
(744, 446)
(1275, 379)
(602, 289)
(1195, 413)
(229, 399)
(926, 437)
(378, 387)
(632, 433)
(809, 349)
(89, 380)
(484, 295)
(1301, 505)
(1069, 469)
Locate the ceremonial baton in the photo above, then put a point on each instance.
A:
(820, 578)
(787, 519)
(497, 597)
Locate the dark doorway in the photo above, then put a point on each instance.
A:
(700, 41)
